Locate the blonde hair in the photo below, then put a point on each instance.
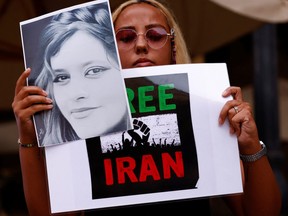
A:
(182, 54)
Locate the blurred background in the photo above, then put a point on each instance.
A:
(250, 36)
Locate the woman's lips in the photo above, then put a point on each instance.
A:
(143, 62)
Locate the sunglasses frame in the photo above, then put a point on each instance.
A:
(171, 34)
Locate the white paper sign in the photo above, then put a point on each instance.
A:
(175, 113)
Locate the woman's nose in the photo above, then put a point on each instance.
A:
(141, 44)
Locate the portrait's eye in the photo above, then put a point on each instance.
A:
(95, 72)
(61, 79)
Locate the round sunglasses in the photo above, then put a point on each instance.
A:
(156, 37)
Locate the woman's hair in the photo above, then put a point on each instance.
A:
(182, 54)
(94, 20)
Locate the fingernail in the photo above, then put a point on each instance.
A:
(45, 93)
(49, 100)
(220, 121)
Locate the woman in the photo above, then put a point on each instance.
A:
(261, 193)
(86, 88)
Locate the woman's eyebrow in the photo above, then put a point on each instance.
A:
(126, 27)
(146, 27)
(154, 25)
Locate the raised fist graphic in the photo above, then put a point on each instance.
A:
(140, 134)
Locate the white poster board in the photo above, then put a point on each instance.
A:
(213, 169)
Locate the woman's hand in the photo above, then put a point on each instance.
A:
(240, 116)
(27, 101)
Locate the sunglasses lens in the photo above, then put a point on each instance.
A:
(156, 37)
(125, 38)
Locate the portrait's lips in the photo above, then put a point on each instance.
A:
(143, 62)
(83, 112)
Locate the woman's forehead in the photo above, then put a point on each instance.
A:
(141, 14)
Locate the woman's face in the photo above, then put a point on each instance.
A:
(141, 17)
(87, 88)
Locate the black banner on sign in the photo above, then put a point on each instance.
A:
(159, 154)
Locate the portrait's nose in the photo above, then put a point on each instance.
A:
(78, 90)
(79, 94)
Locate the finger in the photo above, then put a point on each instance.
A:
(228, 110)
(234, 91)
(33, 100)
(22, 80)
(236, 120)
(235, 125)
(236, 109)
(25, 91)
(30, 104)
(38, 107)
(30, 107)
(31, 110)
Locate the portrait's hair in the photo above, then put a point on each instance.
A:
(182, 54)
(94, 20)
